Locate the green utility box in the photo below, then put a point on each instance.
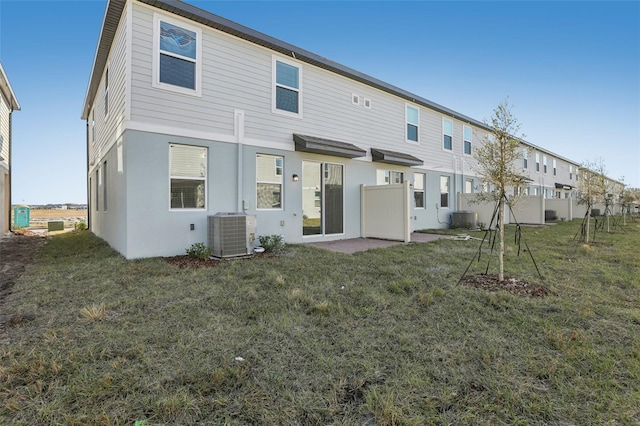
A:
(55, 225)
(21, 216)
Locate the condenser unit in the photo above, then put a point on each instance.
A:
(231, 234)
(465, 219)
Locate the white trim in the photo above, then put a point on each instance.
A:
(205, 179)
(275, 157)
(274, 60)
(406, 123)
(444, 134)
(423, 190)
(470, 154)
(128, 60)
(187, 25)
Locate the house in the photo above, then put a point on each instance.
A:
(189, 114)
(8, 104)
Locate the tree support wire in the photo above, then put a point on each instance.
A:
(519, 240)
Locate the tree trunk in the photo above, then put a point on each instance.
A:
(501, 236)
(586, 235)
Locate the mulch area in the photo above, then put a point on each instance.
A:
(511, 285)
(185, 261)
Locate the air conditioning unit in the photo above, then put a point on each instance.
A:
(465, 219)
(231, 234)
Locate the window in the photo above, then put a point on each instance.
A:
(413, 120)
(97, 179)
(269, 172)
(177, 56)
(525, 158)
(544, 163)
(106, 92)
(93, 127)
(188, 174)
(468, 186)
(418, 190)
(555, 168)
(577, 175)
(466, 132)
(444, 192)
(287, 87)
(537, 162)
(355, 99)
(389, 177)
(447, 133)
(367, 103)
(570, 172)
(558, 194)
(104, 186)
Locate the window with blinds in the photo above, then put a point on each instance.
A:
(188, 174)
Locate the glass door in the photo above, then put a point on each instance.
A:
(322, 198)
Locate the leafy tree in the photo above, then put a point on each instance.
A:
(496, 164)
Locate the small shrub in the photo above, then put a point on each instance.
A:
(199, 251)
(272, 243)
(80, 226)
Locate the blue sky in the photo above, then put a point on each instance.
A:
(570, 69)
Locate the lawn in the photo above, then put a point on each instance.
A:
(312, 337)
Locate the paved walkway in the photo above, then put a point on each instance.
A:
(354, 245)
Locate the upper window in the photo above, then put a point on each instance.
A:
(389, 177)
(447, 134)
(467, 139)
(418, 190)
(544, 163)
(570, 172)
(178, 65)
(537, 162)
(555, 167)
(188, 170)
(106, 92)
(525, 158)
(287, 87)
(269, 172)
(413, 120)
(444, 192)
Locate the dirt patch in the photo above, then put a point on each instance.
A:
(185, 261)
(16, 251)
(511, 285)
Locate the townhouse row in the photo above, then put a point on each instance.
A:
(189, 114)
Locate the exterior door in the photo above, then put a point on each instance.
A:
(322, 198)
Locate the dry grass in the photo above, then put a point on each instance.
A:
(311, 337)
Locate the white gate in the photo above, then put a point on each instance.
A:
(385, 211)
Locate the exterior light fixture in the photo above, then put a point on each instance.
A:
(296, 178)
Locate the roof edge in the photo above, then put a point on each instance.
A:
(6, 88)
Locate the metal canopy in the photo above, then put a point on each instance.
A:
(563, 186)
(393, 157)
(318, 145)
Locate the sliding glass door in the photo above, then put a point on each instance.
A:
(322, 198)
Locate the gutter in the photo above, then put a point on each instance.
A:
(8, 212)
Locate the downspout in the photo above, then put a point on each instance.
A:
(239, 127)
(8, 212)
(87, 178)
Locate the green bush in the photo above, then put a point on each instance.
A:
(199, 251)
(272, 243)
(80, 226)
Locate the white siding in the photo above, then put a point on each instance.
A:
(4, 128)
(106, 127)
(237, 75)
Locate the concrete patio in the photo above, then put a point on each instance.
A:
(354, 245)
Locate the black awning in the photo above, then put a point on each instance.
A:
(563, 186)
(393, 157)
(327, 146)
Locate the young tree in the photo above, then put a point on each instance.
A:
(496, 164)
(592, 189)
